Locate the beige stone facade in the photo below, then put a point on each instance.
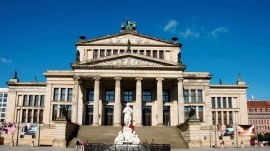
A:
(127, 68)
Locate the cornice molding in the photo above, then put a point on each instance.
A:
(229, 86)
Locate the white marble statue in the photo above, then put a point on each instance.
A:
(127, 115)
(119, 139)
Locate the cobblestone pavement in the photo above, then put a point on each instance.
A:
(28, 148)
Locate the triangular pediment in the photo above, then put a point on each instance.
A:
(123, 38)
(129, 60)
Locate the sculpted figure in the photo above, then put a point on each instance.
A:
(127, 115)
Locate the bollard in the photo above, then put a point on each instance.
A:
(32, 144)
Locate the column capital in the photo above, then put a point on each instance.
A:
(159, 79)
(138, 78)
(117, 78)
(180, 79)
(76, 78)
(97, 78)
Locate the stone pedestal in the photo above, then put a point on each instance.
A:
(194, 133)
(60, 133)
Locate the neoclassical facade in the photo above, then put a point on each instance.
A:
(144, 72)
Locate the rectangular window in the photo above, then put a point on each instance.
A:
(155, 53)
(35, 120)
(148, 53)
(141, 52)
(95, 54)
(69, 98)
(192, 96)
(147, 95)
(42, 100)
(30, 100)
(135, 51)
(161, 54)
(36, 100)
(230, 117)
(166, 95)
(200, 109)
(128, 95)
(29, 117)
(108, 53)
(109, 95)
(186, 112)
(213, 102)
(200, 96)
(214, 118)
(41, 116)
(54, 114)
(90, 94)
(115, 52)
(186, 96)
(229, 102)
(224, 102)
(23, 116)
(69, 109)
(219, 117)
(225, 117)
(63, 94)
(102, 52)
(122, 51)
(25, 100)
(55, 94)
(218, 102)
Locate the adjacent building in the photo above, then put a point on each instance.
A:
(3, 103)
(259, 115)
(142, 71)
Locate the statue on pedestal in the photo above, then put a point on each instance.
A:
(127, 115)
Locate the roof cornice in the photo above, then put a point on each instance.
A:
(229, 86)
(36, 84)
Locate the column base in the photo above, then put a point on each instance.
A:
(117, 125)
(95, 124)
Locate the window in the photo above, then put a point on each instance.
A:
(147, 95)
(115, 52)
(258, 109)
(29, 118)
(23, 116)
(161, 54)
(200, 97)
(108, 53)
(41, 116)
(69, 109)
(192, 96)
(224, 102)
(69, 98)
(154, 53)
(166, 95)
(213, 102)
(122, 51)
(148, 53)
(186, 112)
(200, 109)
(141, 52)
(24, 100)
(63, 94)
(36, 100)
(229, 102)
(186, 96)
(35, 120)
(90, 94)
(218, 102)
(128, 95)
(54, 114)
(95, 54)
(42, 100)
(135, 51)
(55, 94)
(102, 52)
(30, 100)
(109, 95)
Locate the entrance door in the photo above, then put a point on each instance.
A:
(166, 115)
(108, 115)
(147, 116)
(89, 115)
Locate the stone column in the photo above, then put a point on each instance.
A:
(117, 102)
(180, 101)
(96, 102)
(159, 102)
(138, 101)
(74, 118)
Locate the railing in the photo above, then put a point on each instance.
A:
(127, 147)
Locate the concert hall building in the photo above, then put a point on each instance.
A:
(145, 72)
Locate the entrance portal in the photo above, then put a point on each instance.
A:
(166, 115)
(147, 116)
(89, 115)
(108, 115)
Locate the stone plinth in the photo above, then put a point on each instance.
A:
(194, 127)
(60, 134)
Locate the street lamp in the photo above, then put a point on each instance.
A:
(18, 127)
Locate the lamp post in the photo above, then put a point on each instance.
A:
(18, 127)
(215, 119)
(236, 128)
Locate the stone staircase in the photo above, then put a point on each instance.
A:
(106, 135)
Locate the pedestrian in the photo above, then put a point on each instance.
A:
(77, 144)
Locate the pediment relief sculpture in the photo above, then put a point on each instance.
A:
(128, 62)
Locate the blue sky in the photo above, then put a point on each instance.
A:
(224, 37)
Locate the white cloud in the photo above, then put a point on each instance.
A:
(190, 33)
(4, 60)
(171, 25)
(215, 33)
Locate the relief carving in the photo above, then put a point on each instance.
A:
(128, 62)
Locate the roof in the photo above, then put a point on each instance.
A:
(258, 104)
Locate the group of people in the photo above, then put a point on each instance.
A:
(80, 144)
(6, 128)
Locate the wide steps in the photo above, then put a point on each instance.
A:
(106, 134)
